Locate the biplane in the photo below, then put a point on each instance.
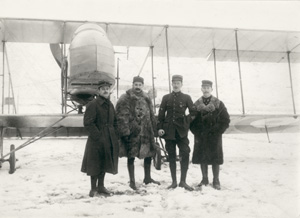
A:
(91, 58)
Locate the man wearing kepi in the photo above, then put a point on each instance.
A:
(102, 148)
(173, 126)
(211, 121)
(137, 126)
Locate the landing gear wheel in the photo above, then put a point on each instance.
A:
(12, 160)
(157, 157)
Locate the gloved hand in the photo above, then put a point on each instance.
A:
(161, 132)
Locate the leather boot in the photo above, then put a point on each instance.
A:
(130, 166)
(173, 174)
(147, 171)
(184, 163)
(93, 190)
(216, 181)
(204, 169)
(101, 188)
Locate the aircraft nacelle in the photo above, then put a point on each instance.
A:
(90, 60)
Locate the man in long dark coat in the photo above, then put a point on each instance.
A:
(211, 121)
(102, 148)
(137, 125)
(173, 126)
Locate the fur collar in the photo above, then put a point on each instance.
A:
(136, 96)
(212, 105)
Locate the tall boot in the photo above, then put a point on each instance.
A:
(173, 174)
(130, 166)
(216, 181)
(147, 171)
(184, 163)
(93, 186)
(204, 169)
(101, 188)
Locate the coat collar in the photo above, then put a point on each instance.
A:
(176, 93)
(102, 100)
(213, 104)
(133, 94)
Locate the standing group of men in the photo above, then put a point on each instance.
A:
(130, 131)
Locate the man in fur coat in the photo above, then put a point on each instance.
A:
(211, 121)
(102, 147)
(137, 125)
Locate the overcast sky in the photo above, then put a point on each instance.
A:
(270, 15)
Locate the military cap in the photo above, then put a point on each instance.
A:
(103, 83)
(207, 83)
(177, 78)
(138, 79)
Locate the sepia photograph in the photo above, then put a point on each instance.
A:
(149, 108)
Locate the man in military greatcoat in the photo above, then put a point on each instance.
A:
(102, 147)
(137, 127)
(173, 126)
(211, 121)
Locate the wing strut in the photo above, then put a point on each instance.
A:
(291, 81)
(168, 60)
(63, 79)
(153, 87)
(10, 87)
(144, 63)
(118, 76)
(239, 64)
(215, 67)
(3, 69)
(1, 144)
(65, 67)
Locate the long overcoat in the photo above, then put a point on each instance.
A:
(137, 122)
(102, 147)
(210, 123)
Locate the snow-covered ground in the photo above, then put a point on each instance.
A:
(258, 178)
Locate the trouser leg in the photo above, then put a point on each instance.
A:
(101, 188)
(147, 168)
(204, 170)
(216, 181)
(184, 152)
(171, 149)
(130, 166)
(101, 179)
(184, 164)
(93, 186)
(147, 171)
(94, 182)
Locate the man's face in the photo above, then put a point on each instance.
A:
(138, 87)
(176, 85)
(206, 91)
(104, 91)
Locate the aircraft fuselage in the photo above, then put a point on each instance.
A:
(90, 60)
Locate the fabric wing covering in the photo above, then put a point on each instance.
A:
(183, 41)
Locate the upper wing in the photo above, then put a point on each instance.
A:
(183, 41)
